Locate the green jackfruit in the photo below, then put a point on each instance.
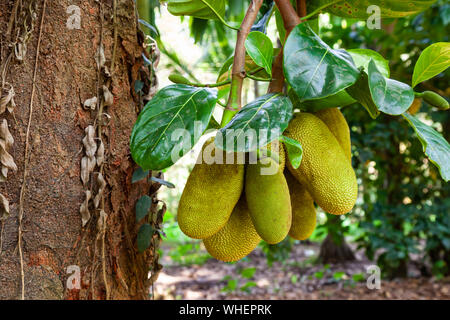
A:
(432, 98)
(268, 201)
(303, 210)
(335, 121)
(278, 147)
(325, 170)
(236, 239)
(211, 193)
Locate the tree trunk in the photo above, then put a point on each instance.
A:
(334, 248)
(43, 242)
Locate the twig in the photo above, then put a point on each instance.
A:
(27, 156)
(238, 70)
(290, 20)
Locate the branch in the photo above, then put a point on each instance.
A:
(290, 20)
(238, 71)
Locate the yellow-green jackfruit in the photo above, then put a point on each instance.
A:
(335, 121)
(303, 210)
(325, 170)
(236, 239)
(268, 200)
(211, 193)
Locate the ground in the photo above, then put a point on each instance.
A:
(296, 278)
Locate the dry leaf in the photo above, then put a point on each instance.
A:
(100, 153)
(8, 101)
(100, 57)
(89, 143)
(84, 170)
(4, 207)
(3, 174)
(108, 96)
(5, 158)
(101, 222)
(101, 189)
(84, 209)
(5, 134)
(90, 103)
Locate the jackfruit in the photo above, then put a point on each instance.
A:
(303, 210)
(237, 238)
(325, 170)
(277, 146)
(211, 193)
(268, 200)
(435, 100)
(335, 121)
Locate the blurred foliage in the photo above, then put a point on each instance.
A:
(404, 210)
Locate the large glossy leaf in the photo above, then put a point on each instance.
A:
(360, 91)
(173, 108)
(434, 145)
(256, 124)
(361, 57)
(390, 96)
(260, 49)
(378, 93)
(203, 9)
(432, 61)
(358, 8)
(313, 69)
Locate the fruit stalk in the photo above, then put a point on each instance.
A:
(238, 71)
(290, 20)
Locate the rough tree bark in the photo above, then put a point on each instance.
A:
(48, 220)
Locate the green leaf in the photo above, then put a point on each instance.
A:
(432, 61)
(338, 275)
(143, 206)
(256, 124)
(144, 237)
(139, 175)
(390, 96)
(313, 69)
(358, 8)
(260, 49)
(250, 68)
(294, 150)
(163, 182)
(361, 92)
(203, 9)
(246, 287)
(157, 130)
(280, 26)
(435, 146)
(248, 272)
(362, 57)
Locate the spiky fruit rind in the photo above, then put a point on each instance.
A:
(236, 239)
(269, 203)
(335, 121)
(303, 210)
(208, 199)
(325, 170)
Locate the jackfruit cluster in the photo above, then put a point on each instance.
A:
(232, 207)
